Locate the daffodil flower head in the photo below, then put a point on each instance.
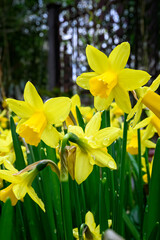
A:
(109, 80)
(21, 181)
(91, 147)
(92, 232)
(37, 118)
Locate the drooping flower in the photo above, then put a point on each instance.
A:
(91, 147)
(38, 118)
(110, 80)
(20, 185)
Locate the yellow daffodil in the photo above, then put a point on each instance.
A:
(132, 141)
(90, 148)
(116, 115)
(92, 232)
(147, 97)
(110, 80)
(38, 118)
(20, 185)
(3, 119)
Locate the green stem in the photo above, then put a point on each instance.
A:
(122, 178)
(147, 165)
(140, 185)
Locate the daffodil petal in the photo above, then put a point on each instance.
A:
(50, 136)
(35, 198)
(21, 108)
(102, 158)
(143, 123)
(83, 79)
(75, 233)
(137, 115)
(131, 79)
(149, 144)
(97, 60)
(132, 112)
(107, 136)
(82, 166)
(57, 109)
(103, 103)
(89, 220)
(76, 130)
(155, 83)
(76, 101)
(20, 190)
(122, 98)
(93, 125)
(32, 97)
(119, 56)
(7, 175)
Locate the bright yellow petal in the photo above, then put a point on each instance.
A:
(89, 220)
(102, 158)
(50, 136)
(75, 233)
(97, 60)
(35, 198)
(76, 130)
(76, 101)
(20, 190)
(134, 110)
(93, 125)
(143, 123)
(122, 98)
(8, 176)
(83, 79)
(21, 108)
(131, 79)
(107, 136)
(137, 115)
(32, 97)
(82, 166)
(119, 56)
(152, 101)
(57, 109)
(103, 103)
(155, 83)
(149, 144)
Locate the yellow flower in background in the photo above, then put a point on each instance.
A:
(6, 148)
(110, 80)
(3, 119)
(132, 141)
(90, 149)
(92, 231)
(20, 185)
(148, 98)
(38, 118)
(116, 114)
(87, 112)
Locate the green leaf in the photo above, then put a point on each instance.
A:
(6, 221)
(80, 118)
(131, 226)
(154, 193)
(154, 233)
(20, 163)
